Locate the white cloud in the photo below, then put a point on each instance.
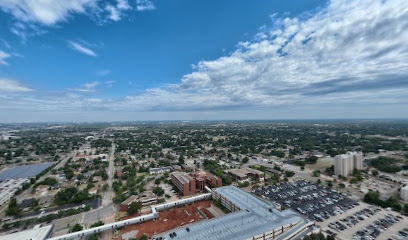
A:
(81, 48)
(47, 12)
(88, 87)
(30, 16)
(3, 57)
(350, 55)
(145, 5)
(12, 86)
(350, 48)
(116, 11)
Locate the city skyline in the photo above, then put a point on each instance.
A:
(139, 60)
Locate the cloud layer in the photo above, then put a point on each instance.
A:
(348, 53)
(12, 86)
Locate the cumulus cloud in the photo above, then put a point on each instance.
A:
(145, 5)
(345, 49)
(81, 48)
(12, 86)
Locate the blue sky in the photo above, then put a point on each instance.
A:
(94, 60)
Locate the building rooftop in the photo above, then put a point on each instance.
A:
(37, 233)
(182, 177)
(255, 217)
(26, 171)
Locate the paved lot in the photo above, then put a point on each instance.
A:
(314, 201)
(376, 221)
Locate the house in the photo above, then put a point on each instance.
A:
(42, 188)
(97, 179)
(119, 173)
(93, 191)
(177, 168)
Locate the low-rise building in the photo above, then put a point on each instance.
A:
(160, 170)
(246, 174)
(9, 187)
(404, 193)
(125, 204)
(147, 198)
(37, 233)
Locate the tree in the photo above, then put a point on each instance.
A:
(77, 227)
(329, 183)
(245, 160)
(144, 237)
(181, 160)
(97, 224)
(13, 208)
(311, 160)
(374, 173)
(158, 191)
(133, 208)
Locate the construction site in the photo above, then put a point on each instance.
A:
(171, 219)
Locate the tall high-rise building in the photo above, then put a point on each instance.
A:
(344, 164)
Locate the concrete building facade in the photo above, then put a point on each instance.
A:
(404, 193)
(344, 164)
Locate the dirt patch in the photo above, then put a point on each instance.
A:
(170, 219)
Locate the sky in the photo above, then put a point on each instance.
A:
(130, 60)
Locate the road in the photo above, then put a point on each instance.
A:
(107, 196)
(105, 213)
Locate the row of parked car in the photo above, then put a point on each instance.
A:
(352, 220)
(373, 230)
(312, 200)
(401, 235)
(333, 211)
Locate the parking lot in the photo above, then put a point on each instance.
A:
(366, 222)
(316, 202)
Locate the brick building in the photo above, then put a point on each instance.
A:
(194, 182)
